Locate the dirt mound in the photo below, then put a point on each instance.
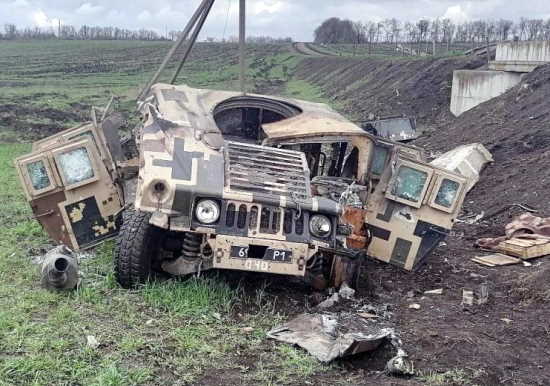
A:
(515, 127)
(383, 87)
(533, 286)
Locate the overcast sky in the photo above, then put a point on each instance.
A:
(278, 18)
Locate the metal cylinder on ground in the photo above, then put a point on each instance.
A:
(59, 269)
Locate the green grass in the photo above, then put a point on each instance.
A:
(455, 377)
(162, 333)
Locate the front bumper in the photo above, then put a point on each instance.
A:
(260, 255)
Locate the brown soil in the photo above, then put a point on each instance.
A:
(505, 341)
(33, 122)
(417, 88)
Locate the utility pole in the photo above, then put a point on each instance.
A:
(242, 44)
(181, 39)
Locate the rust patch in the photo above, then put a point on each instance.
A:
(360, 237)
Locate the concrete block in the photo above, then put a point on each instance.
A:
(473, 87)
(531, 51)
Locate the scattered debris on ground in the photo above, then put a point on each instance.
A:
(328, 336)
(526, 237)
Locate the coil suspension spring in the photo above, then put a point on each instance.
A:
(192, 245)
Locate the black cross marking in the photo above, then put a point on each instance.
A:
(182, 163)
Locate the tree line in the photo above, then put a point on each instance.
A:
(335, 30)
(85, 32)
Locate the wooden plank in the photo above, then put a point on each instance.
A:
(482, 262)
(525, 248)
(496, 259)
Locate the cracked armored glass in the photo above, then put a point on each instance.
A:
(409, 184)
(447, 193)
(76, 166)
(38, 175)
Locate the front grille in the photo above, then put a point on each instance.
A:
(263, 219)
(268, 171)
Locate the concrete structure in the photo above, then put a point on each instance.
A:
(521, 56)
(535, 51)
(512, 59)
(472, 87)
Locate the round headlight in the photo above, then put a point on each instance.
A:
(320, 226)
(207, 211)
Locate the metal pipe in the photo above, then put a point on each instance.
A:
(193, 39)
(174, 48)
(242, 43)
(59, 269)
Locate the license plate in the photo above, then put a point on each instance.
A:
(270, 254)
(281, 255)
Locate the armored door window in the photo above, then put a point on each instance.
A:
(76, 164)
(379, 159)
(36, 174)
(446, 194)
(409, 183)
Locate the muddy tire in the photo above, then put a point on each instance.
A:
(137, 247)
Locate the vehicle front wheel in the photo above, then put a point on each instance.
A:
(138, 245)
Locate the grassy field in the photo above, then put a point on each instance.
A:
(175, 332)
(52, 84)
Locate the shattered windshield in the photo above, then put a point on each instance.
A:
(38, 175)
(447, 193)
(409, 184)
(76, 165)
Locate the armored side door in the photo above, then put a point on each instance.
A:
(69, 183)
(412, 208)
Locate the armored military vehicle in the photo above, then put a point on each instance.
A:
(231, 180)
(251, 183)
